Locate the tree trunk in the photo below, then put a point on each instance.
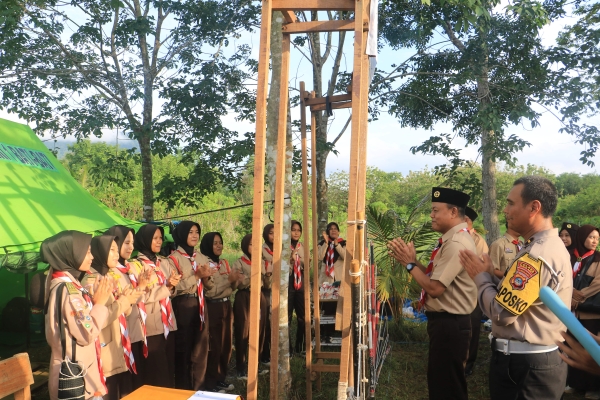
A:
(147, 182)
(284, 376)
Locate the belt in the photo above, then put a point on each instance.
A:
(516, 347)
(245, 289)
(221, 300)
(188, 295)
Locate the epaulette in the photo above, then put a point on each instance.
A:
(71, 288)
(536, 249)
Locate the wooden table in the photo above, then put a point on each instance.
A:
(147, 392)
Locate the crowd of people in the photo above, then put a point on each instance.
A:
(532, 356)
(163, 320)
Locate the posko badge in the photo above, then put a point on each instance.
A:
(521, 286)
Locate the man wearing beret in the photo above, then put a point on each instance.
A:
(448, 295)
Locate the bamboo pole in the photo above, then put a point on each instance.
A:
(306, 278)
(278, 213)
(259, 195)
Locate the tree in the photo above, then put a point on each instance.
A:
(104, 64)
(486, 73)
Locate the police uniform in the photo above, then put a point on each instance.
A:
(191, 342)
(525, 362)
(503, 251)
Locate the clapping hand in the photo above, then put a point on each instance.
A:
(144, 280)
(133, 295)
(402, 252)
(173, 280)
(102, 292)
(204, 271)
(473, 264)
(235, 276)
(325, 237)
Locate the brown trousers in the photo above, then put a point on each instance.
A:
(191, 344)
(476, 316)
(449, 339)
(265, 348)
(118, 386)
(158, 369)
(241, 326)
(296, 302)
(221, 320)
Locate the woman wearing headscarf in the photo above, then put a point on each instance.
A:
(154, 349)
(84, 315)
(220, 313)
(567, 233)
(241, 309)
(192, 336)
(332, 250)
(117, 359)
(586, 268)
(296, 286)
(267, 256)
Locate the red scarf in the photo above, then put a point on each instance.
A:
(297, 271)
(329, 260)
(86, 296)
(577, 265)
(517, 244)
(166, 311)
(199, 284)
(141, 305)
(270, 252)
(125, 340)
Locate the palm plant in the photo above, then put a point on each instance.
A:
(393, 281)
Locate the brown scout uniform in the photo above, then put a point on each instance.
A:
(241, 312)
(480, 243)
(338, 266)
(266, 292)
(158, 368)
(503, 252)
(191, 343)
(220, 314)
(82, 324)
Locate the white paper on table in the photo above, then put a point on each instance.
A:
(201, 395)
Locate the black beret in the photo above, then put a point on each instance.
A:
(469, 212)
(450, 196)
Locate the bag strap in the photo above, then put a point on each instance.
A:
(63, 333)
(579, 278)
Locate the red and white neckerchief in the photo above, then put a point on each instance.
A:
(226, 264)
(297, 272)
(578, 263)
(141, 305)
(199, 284)
(88, 299)
(270, 252)
(166, 311)
(517, 244)
(329, 260)
(429, 268)
(125, 340)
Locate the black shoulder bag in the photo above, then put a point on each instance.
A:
(581, 281)
(71, 381)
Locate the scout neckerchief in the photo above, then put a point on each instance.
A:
(125, 340)
(227, 269)
(86, 296)
(141, 305)
(429, 269)
(270, 252)
(578, 263)
(199, 284)
(329, 260)
(166, 312)
(297, 272)
(517, 244)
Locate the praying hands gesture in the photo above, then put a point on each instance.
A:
(402, 252)
(102, 291)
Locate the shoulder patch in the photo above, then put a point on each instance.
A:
(521, 285)
(71, 288)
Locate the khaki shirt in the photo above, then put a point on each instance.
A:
(503, 252)
(480, 243)
(591, 290)
(537, 325)
(222, 287)
(82, 324)
(267, 257)
(460, 296)
(241, 264)
(338, 266)
(183, 265)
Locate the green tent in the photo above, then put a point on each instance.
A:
(38, 198)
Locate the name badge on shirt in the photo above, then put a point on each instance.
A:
(507, 250)
(521, 285)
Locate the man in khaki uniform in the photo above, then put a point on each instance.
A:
(449, 295)
(525, 363)
(476, 316)
(504, 250)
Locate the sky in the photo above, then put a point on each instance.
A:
(389, 144)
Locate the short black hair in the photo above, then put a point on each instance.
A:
(540, 189)
(294, 222)
(461, 210)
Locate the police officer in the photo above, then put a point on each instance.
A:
(449, 295)
(503, 251)
(525, 361)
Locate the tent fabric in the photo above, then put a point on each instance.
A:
(39, 197)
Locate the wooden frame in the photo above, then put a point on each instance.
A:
(16, 377)
(357, 100)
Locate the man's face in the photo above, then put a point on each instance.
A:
(517, 213)
(441, 216)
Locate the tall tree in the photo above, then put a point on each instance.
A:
(486, 72)
(98, 64)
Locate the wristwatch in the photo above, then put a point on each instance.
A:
(410, 266)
